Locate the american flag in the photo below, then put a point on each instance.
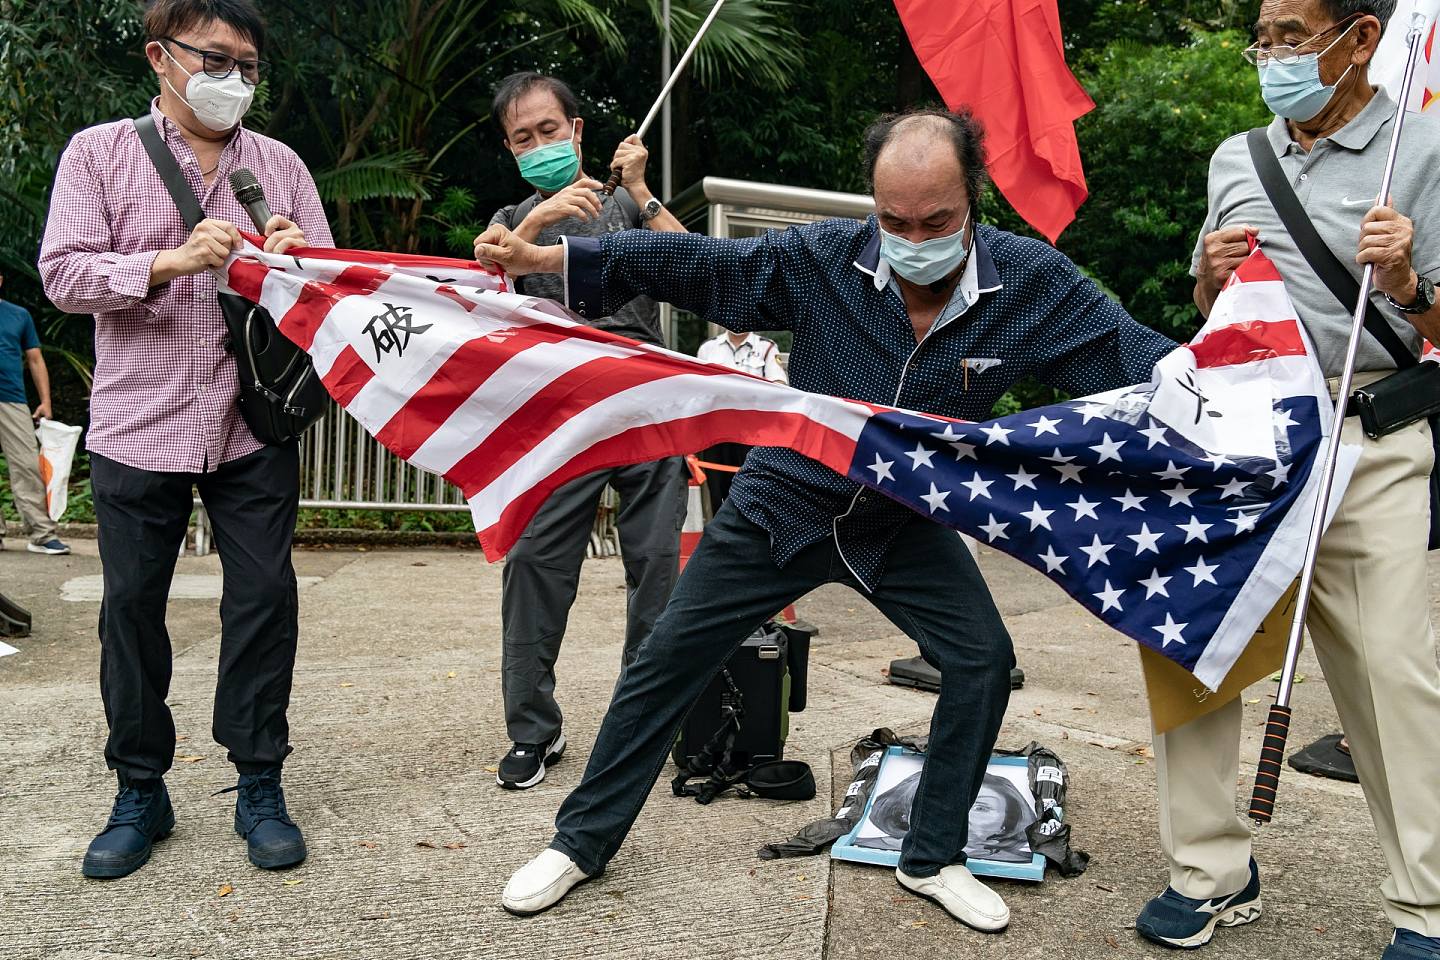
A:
(1176, 510)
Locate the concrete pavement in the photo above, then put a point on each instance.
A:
(397, 727)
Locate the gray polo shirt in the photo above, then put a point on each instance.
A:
(1336, 182)
(640, 318)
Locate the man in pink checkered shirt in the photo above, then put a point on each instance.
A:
(164, 419)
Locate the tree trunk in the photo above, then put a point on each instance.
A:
(913, 86)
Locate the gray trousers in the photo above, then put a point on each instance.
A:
(22, 456)
(542, 574)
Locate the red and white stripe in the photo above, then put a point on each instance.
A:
(507, 396)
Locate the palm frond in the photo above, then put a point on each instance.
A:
(83, 365)
(747, 39)
(399, 174)
(584, 13)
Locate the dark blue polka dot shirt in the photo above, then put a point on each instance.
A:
(1035, 314)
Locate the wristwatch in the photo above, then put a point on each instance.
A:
(651, 210)
(1424, 298)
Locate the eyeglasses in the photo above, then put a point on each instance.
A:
(221, 65)
(1258, 54)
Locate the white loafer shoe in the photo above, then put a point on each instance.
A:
(963, 897)
(541, 883)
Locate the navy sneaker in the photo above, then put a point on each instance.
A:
(141, 817)
(526, 763)
(1172, 920)
(53, 547)
(1409, 945)
(273, 840)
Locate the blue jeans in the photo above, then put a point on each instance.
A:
(931, 590)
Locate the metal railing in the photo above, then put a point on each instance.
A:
(344, 468)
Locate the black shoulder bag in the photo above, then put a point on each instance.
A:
(280, 395)
(1388, 404)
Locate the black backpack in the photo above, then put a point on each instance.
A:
(280, 395)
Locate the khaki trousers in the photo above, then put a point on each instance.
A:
(22, 455)
(1370, 622)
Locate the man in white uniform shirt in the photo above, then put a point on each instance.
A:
(748, 353)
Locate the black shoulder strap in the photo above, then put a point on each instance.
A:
(169, 170)
(628, 204)
(522, 210)
(1320, 257)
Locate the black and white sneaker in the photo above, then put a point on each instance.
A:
(525, 764)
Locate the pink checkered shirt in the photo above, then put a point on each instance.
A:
(165, 387)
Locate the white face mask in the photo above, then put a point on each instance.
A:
(219, 104)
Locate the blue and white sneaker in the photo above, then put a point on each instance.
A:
(1409, 945)
(1172, 920)
(53, 547)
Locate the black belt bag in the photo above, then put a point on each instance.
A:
(1398, 400)
(280, 395)
(1391, 403)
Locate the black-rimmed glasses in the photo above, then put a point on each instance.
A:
(221, 65)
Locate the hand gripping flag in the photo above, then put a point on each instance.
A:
(1176, 510)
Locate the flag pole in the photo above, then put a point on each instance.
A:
(1277, 727)
(614, 180)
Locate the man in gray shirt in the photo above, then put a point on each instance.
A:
(1369, 616)
(540, 119)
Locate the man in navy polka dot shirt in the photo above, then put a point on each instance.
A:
(917, 307)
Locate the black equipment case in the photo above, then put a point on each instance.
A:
(768, 673)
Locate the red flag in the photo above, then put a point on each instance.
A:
(1005, 60)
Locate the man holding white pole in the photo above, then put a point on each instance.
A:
(1369, 613)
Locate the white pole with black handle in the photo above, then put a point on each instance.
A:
(614, 180)
(1277, 727)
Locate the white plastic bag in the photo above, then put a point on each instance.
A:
(57, 453)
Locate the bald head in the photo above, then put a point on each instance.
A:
(925, 169)
(916, 142)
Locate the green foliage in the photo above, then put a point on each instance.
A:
(79, 505)
(426, 521)
(855, 65)
(400, 175)
(1160, 113)
(1091, 25)
(749, 40)
(453, 223)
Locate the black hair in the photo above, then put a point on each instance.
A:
(965, 132)
(170, 18)
(891, 810)
(516, 85)
(1344, 9)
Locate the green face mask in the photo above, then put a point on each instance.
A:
(550, 168)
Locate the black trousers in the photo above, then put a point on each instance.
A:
(542, 575)
(142, 516)
(931, 590)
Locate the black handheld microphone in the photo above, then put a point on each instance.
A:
(251, 196)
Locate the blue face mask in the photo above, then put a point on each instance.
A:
(925, 262)
(1294, 90)
(551, 168)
